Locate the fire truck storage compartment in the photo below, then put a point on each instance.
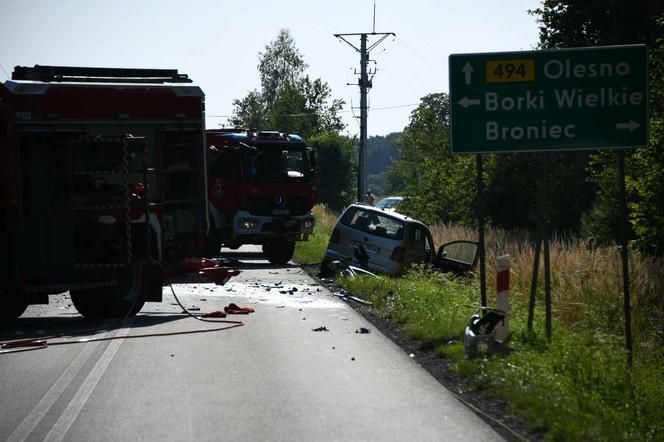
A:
(76, 205)
(180, 179)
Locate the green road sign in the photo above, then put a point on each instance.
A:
(565, 99)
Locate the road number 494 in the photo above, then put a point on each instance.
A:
(510, 71)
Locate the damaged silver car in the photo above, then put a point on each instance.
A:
(379, 241)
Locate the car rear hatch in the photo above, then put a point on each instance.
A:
(377, 234)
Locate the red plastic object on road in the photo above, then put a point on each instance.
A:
(218, 275)
(197, 264)
(215, 314)
(234, 309)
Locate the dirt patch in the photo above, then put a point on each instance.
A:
(493, 410)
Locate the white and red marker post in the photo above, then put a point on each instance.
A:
(502, 331)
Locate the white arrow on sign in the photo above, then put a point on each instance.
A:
(631, 125)
(467, 70)
(465, 102)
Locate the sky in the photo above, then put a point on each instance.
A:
(216, 43)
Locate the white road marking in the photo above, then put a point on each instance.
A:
(45, 403)
(61, 427)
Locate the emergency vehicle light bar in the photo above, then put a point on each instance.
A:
(97, 75)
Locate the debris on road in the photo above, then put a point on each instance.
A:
(234, 309)
(363, 330)
(320, 329)
(215, 314)
(218, 275)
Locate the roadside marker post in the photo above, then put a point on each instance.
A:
(502, 296)
(551, 100)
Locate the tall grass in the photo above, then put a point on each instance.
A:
(587, 291)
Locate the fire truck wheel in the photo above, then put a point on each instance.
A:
(112, 302)
(278, 251)
(13, 306)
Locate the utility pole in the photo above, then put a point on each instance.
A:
(365, 84)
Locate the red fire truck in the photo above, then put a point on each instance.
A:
(102, 185)
(260, 191)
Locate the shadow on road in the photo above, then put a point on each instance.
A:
(72, 324)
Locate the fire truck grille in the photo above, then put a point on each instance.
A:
(267, 205)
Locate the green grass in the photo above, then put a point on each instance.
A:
(427, 304)
(579, 386)
(312, 251)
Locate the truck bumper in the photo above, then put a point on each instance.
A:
(247, 226)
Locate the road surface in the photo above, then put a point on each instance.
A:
(273, 378)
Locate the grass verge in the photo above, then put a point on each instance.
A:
(312, 251)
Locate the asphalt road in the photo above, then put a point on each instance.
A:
(273, 378)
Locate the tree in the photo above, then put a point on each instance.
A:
(578, 23)
(434, 182)
(334, 181)
(288, 100)
(280, 64)
(381, 152)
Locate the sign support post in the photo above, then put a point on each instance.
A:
(480, 219)
(547, 262)
(533, 283)
(624, 253)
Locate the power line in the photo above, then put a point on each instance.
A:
(305, 114)
(406, 83)
(414, 74)
(350, 98)
(401, 40)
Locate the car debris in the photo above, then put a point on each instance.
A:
(363, 330)
(479, 337)
(345, 296)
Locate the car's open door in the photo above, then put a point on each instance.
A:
(458, 257)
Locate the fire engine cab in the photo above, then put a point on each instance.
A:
(260, 191)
